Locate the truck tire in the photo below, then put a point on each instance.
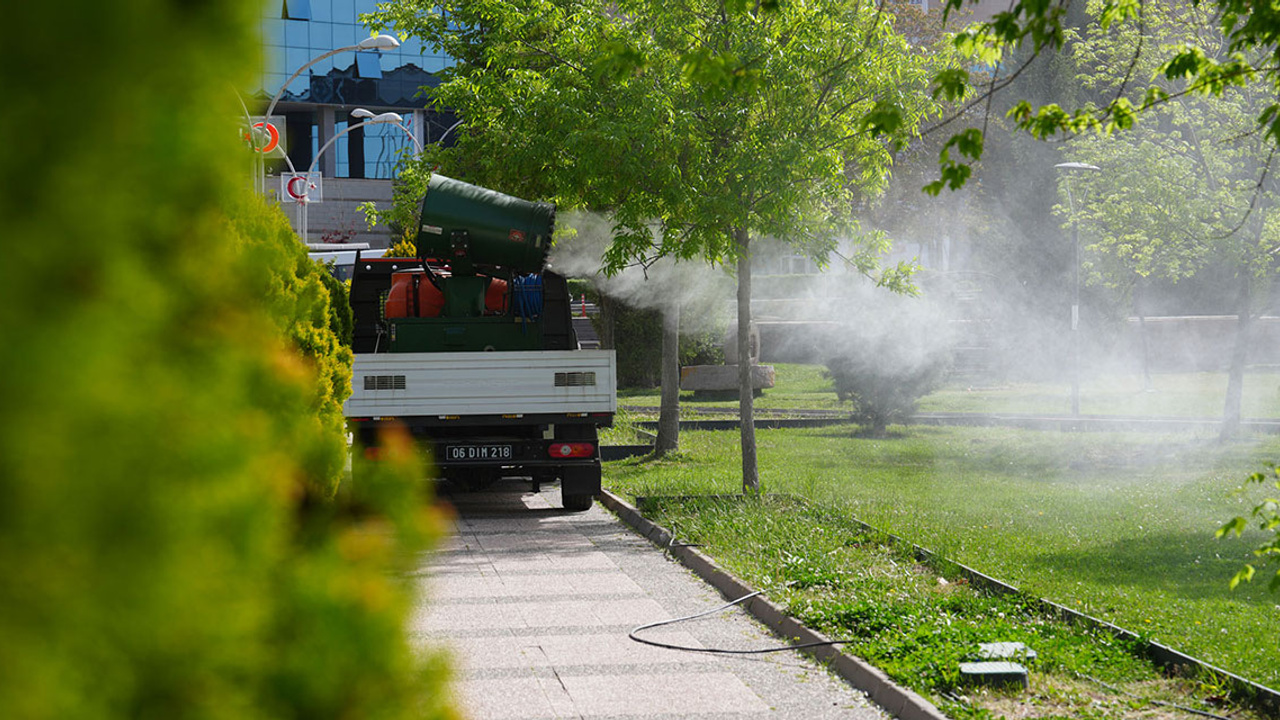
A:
(577, 503)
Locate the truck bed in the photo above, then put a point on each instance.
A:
(541, 382)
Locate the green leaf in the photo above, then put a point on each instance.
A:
(1236, 525)
(1245, 575)
(1154, 96)
(1118, 10)
(616, 61)
(953, 175)
(951, 84)
(969, 142)
(884, 119)
(1123, 115)
(1185, 64)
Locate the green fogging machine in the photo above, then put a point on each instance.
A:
(480, 282)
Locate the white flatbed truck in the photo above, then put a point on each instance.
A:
(470, 347)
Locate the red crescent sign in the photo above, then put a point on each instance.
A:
(294, 192)
(273, 137)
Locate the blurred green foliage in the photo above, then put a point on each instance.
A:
(170, 391)
(341, 321)
(295, 291)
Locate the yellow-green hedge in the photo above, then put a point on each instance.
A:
(170, 401)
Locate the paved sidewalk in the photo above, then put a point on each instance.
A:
(535, 605)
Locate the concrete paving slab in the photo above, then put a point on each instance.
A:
(542, 541)
(661, 694)
(591, 613)
(479, 656)
(449, 619)
(522, 562)
(514, 699)
(565, 585)
(535, 605)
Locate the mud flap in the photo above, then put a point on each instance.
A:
(579, 485)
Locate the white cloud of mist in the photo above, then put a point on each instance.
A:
(704, 294)
(836, 311)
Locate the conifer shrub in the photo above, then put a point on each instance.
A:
(341, 320)
(170, 392)
(883, 378)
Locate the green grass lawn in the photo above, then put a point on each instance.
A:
(1119, 526)
(1195, 395)
(1172, 395)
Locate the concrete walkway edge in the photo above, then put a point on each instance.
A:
(893, 698)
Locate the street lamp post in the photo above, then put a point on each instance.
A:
(393, 118)
(378, 42)
(440, 140)
(1075, 284)
(384, 118)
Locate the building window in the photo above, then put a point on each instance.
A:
(296, 10)
(369, 65)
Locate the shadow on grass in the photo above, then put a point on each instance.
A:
(1191, 565)
(1036, 457)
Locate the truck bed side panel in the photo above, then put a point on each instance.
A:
(487, 383)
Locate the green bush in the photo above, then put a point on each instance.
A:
(637, 342)
(170, 425)
(636, 336)
(299, 297)
(702, 348)
(883, 383)
(402, 247)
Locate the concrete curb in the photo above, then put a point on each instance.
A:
(894, 699)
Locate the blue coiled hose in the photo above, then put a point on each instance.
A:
(528, 298)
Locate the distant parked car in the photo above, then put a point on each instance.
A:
(341, 257)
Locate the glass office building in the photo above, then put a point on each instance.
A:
(317, 105)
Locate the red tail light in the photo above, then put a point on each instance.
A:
(571, 450)
(373, 453)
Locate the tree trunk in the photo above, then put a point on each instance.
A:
(746, 399)
(1239, 355)
(669, 413)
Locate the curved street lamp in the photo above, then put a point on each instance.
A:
(398, 121)
(381, 119)
(440, 139)
(377, 42)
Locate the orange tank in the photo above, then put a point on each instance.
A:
(495, 298)
(413, 295)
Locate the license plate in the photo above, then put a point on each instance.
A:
(473, 453)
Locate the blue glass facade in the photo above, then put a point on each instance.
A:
(318, 103)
